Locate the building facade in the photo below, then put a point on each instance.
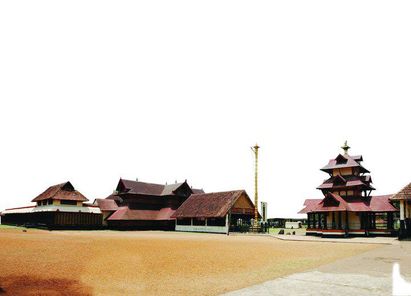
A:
(58, 207)
(347, 206)
(218, 212)
(144, 206)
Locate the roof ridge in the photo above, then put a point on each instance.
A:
(135, 181)
(219, 192)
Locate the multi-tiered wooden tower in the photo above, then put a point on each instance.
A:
(347, 207)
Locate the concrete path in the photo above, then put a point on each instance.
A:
(369, 273)
(362, 240)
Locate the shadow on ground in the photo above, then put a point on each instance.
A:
(35, 286)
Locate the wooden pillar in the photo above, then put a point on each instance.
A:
(390, 220)
(333, 222)
(402, 219)
(320, 222)
(325, 215)
(402, 209)
(308, 220)
(362, 226)
(228, 222)
(314, 220)
(347, 228)
(369, 222)
(339, 220)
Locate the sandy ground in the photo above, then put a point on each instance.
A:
(40, 262)
(367, 273)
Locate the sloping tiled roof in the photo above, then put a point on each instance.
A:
(142, 187)
(63, 191)
(197, 191)
(115, 197)
(106, 204)
(340, 204)
(347, 181)
(403, 194)
(309, 205)
(350, 162)
(124, 213)
(357, 157)
(137, 187)
(208, 205)
(382, 203)
(379, 203)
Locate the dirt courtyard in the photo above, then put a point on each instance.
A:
(40, 262)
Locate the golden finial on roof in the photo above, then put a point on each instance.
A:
(345, 147)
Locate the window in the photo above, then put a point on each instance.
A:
(184, 221)
(50, 202)
(44, 202)
(68, 202)
(39, 203)
(217, 222)
(199, 221)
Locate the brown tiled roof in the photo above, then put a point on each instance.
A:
(63, 191)
(357, 157)
(350, 162)
(115, 197)
(379, 203)
(346, 181)
(137, 187)
(106, 204)
(124, 213)
(197, 191)
(142, 187)
(208, 205)
(309, 205)
(403, 194)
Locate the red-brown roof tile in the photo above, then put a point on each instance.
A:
(124, 213)
(350, 162)
(403, 194)
(197, 191)
(208, 205)
(63, 191)
(309, 205)
(379, 203)
(143, 188)
(106, 204)
(382, 203)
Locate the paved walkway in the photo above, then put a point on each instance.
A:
(362, 240)
(365, 274)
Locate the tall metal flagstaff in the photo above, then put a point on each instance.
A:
(255, 150)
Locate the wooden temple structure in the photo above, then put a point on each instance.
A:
(348, 208)
(216, 212)
(60, 206)
(144, 206)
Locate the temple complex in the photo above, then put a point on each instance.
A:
(348, 208)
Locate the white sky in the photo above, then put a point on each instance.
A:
(92, 91)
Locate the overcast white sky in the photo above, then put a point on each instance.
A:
(92, 91)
